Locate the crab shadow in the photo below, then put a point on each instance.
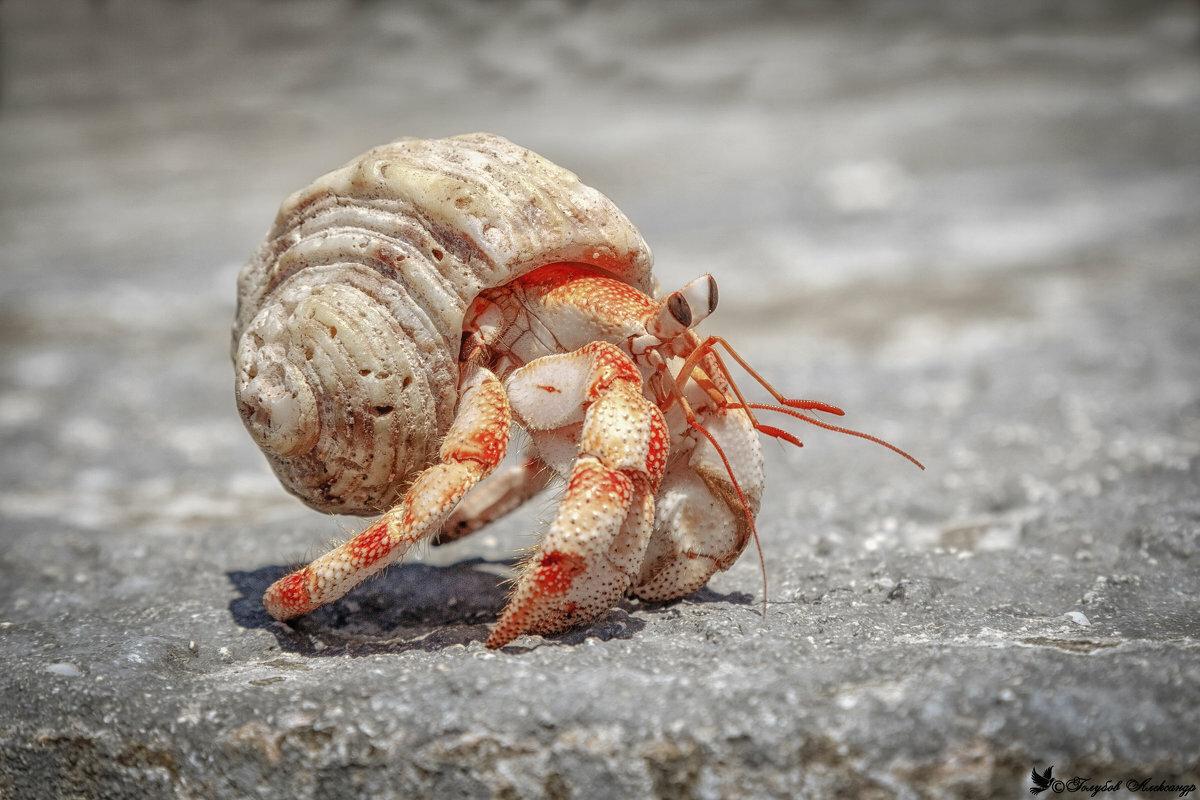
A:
(408, 607)
(425, 607)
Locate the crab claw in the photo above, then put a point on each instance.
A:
(590, 557)
(594, 548)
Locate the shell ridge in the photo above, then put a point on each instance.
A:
(350, 312)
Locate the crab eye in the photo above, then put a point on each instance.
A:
(701, 293)
(684, 309)
(680, 310)
(712, 294)
(672, 317)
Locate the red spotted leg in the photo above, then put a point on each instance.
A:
(471, 450)
(594, 548)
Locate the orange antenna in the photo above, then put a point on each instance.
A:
(704, 379)
(786, 405)
(836, 428)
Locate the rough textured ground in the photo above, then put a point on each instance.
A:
(978, 230)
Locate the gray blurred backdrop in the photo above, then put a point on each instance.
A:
(974, 225)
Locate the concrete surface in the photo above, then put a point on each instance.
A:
(977, 228)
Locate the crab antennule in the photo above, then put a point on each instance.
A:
(786, 405)
(837, 429)
(710, 344)
(813, 405)
(692, 362)
(778, 433)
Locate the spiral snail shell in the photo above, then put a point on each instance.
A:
(350, 313)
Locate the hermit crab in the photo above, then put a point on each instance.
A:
(409, 308)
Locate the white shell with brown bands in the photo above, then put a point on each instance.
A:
(350, 313)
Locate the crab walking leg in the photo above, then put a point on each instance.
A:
(475, 444)
(696, 535)
(701, 526)
(505, 492)
(593, 550)
(588, 559)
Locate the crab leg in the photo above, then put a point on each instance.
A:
(505, 492)
(471, 450)
(704, 507)
(593, 550)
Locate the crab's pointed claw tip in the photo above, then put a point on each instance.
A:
(542, 601)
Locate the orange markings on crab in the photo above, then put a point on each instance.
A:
(611, 365)
(551, 389)
(409, 520)
(582, 287)
(549, 277)
(601, 481)
(487, 448)
(660, 448)
(290, 595)
(370, 545)
(486, 443)
(556, 570)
